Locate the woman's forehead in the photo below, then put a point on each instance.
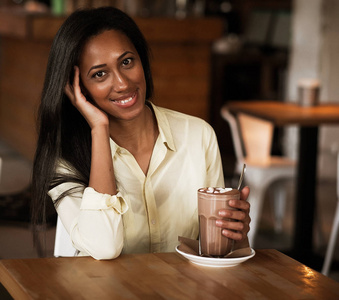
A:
(107, 41)
(105, 48)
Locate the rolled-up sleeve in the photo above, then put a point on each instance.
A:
(93, 220)
(103, 201)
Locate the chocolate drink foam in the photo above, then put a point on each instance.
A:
(210, 201)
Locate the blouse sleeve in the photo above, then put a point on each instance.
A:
(93, 220)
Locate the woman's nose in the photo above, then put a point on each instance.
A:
(120, 82)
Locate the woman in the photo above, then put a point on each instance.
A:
(123, 173)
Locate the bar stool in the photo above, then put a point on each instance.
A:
(334, 232)
(262, 169)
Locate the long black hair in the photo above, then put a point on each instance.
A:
(63, 133)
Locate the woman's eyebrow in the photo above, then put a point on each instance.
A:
(125, 53)
(96, 67)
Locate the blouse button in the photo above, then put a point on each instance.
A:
(153, 222)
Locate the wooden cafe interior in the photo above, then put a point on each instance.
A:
(237, 64)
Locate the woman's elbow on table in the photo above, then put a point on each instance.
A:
(100, 247)
(106, 253)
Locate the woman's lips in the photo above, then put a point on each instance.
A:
(125, 99)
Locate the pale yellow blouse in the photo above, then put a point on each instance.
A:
(149, 212)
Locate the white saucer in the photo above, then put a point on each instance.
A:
(215, 262)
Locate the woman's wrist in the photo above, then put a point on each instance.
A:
(101, 130)
(102, 173)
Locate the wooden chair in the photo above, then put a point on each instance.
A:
(334, 232)
(63, 244)
(262, 169)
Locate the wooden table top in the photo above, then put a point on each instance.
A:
(268, 275)
(285, 113)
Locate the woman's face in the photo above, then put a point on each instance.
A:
(112, 74)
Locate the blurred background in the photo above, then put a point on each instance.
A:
(205, 53)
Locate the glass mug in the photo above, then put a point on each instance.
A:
(210, 201)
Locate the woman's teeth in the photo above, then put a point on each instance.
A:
(124, 101)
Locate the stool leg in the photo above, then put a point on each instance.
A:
(256, 200)
(279, 205)
(332, 243)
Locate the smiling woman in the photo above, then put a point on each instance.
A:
(112, 75)
(123, 173)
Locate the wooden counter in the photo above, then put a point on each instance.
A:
(181, 68)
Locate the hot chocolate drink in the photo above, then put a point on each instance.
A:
(210, 201)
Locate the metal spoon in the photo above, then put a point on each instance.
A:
(241, 176)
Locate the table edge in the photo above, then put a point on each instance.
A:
(10, 284)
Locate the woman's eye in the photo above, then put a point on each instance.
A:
(99, 74)
(127, 61)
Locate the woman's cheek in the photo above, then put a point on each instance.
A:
(100, 90)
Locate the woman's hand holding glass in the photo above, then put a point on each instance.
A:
(93, 115)
(237, 226)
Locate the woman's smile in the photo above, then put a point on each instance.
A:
(126, 100)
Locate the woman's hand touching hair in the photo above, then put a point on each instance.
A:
(93, 115)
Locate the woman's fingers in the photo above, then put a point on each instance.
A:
(69, 92)
(232, 229)
(76, 76)
(233, 214)
(235, 222)
(239, 204)
(238, 221)
(230, 224)
(242, 204)
(78, 95)
(73, 92)
(234, 235)
(244, 193)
